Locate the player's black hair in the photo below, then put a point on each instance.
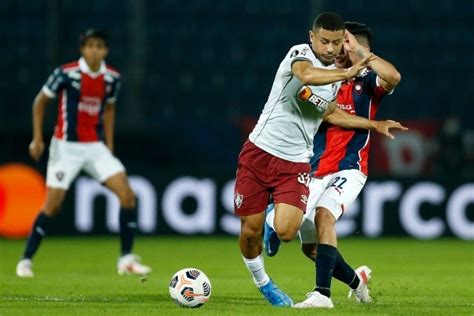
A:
(329, 21)
(360, 29)
(93, 33)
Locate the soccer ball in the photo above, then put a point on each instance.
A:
(190, 287)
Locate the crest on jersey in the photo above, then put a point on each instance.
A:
(358, 88)
(238, 199)
(60, 175)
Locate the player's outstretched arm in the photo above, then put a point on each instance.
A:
(307, 74)
(36, 147)
(343, 119)
(384, 127)
(109, 124)
(389, 77)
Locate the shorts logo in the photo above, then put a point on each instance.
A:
(60, 175)
(304, 178)
(238, 199)
(304, 199)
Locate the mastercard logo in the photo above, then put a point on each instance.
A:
(22, 193)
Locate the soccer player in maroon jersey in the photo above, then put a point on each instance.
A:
(275, 159)
(83, 139)
(339, 168)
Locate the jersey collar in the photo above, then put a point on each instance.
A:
(86, 69)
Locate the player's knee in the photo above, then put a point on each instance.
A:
(286, 230)
(252, 237)
(127, 198)
(287, 234)
(52, 209)
(324, 218)
(251, 233)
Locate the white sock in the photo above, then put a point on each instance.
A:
(270, 219)
(256, 268)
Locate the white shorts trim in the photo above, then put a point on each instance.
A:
(67, 159)
(335, 192)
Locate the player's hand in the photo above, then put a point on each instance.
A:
(383, 127)
(350, 42)
(36, 149)
(361, 64)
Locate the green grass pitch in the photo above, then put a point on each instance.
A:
(77, 276)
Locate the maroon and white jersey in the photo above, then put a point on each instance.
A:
(82, 95)
(293, 112)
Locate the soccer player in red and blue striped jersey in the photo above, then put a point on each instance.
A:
(83, 140)
(339, 169)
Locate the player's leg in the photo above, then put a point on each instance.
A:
(63, 167)
(290, 195)
(118, 184)
(271, 239)
(250, 241)
(342, 270)
(107, 169)
(128, 262)
(41, 225)
(287, 221)
(250, 200)
(271, 242)
(341, 191)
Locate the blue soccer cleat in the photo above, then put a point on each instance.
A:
(275, 296)
(271, 242)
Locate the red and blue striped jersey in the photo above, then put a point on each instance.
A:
(82, 95)
(336, 148)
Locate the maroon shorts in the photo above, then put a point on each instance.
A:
(260, 174)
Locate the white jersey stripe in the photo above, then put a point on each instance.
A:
(64, 113)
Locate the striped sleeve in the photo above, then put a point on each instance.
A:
(54, 83)
(113, 90)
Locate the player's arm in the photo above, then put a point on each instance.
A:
(36, 147)
(388, 75)
(307, 74)
(109, 124)
(343, 119)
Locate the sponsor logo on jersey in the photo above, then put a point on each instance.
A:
(305, 94)
(238, 199)
(347, 107)
(90, 105)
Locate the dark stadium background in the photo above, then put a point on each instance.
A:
(197, 73)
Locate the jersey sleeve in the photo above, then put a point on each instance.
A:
(299, 54)
(54, 84)
(113, 89)
(375, 89)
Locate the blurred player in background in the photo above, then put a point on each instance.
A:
(340, 166)
(275, 159)
(87, 93)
